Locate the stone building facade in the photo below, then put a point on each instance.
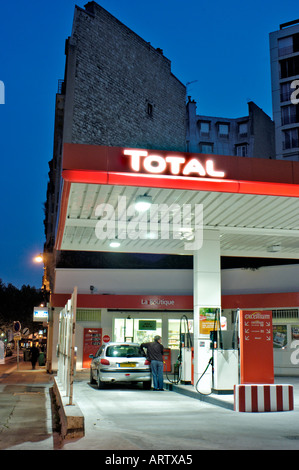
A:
(117, 91)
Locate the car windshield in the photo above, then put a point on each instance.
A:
(124, 350)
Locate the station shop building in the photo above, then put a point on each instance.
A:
(226, 214)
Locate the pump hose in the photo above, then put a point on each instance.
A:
(209, 363)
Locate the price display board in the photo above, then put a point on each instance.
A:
(92, 341)
(256, 347)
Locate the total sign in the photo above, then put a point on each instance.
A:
(142, 160)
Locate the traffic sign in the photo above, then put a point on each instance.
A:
(25, 331)
(17, 337)
(16, 326)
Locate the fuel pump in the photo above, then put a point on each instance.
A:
(186, 353)
(183, 366)
(221, 355)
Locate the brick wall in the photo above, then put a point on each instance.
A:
(119, 89)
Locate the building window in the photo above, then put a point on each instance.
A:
(241, 150)
(288, 45)
(243, 129)
(204, 128)
(285, 46)
(289, 67)
(223, 130)
(289, 114)
(285, 91)
(206, 147)
(291, 139)
(150, 109)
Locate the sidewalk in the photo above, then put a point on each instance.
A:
(25, 408)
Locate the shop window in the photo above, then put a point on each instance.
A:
(174, 327)
(136, 330)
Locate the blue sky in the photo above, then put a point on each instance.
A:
(222, 47)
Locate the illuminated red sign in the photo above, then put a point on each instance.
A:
(142, 160)
(256, 347)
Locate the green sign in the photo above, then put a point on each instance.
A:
(147, 324)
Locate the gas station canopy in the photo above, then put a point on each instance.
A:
(252, 203)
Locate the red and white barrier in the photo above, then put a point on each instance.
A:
(263, 397)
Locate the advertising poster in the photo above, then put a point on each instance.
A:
(92, 341)
(256, 347)
(280, 338)
(207, 320)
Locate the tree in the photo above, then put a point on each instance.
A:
(17, 304)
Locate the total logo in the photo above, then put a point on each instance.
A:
(141, 160)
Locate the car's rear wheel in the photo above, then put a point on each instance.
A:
(92, 380)
(147, 385)
(99, 382)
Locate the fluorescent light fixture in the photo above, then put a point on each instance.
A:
(151, 235)
(114, 244)
(274, 248)
(143, 203)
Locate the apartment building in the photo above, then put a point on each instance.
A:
(246, 136)
(284, 56)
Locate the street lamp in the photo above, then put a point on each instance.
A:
(39, 258)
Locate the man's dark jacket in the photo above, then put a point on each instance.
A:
(154, 351)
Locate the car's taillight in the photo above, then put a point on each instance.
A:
(147, 363)
(105, 362)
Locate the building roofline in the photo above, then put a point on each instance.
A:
(289, 23)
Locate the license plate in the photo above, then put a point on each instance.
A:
(127, 364)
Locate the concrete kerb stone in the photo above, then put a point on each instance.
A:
(71, 416)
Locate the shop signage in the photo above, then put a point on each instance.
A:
(40, 314)
(142, 160)
(157, 302)
(147, 325)
(256, 347)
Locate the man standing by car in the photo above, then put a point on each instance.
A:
(155, 356)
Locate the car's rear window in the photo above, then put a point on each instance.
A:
(124, 350)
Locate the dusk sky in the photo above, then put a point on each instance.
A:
(221, 47)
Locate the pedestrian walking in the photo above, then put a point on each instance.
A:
(34, 353)
(154, 353)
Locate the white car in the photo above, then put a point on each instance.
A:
(120, 362)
